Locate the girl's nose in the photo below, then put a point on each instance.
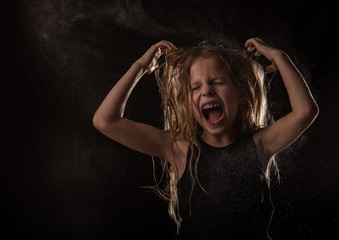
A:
(207, 91)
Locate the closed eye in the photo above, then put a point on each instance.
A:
(195, 88)
(218, 83)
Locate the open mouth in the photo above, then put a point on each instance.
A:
(213, 113)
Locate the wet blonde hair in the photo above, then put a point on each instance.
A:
(173, 78)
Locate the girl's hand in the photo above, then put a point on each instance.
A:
(263, 48)
(149, 61)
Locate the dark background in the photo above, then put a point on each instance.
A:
(62, 179)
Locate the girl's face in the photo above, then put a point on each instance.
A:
(215, 98)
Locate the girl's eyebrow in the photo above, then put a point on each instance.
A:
(223, 78)
(217, 78)
(195, 81)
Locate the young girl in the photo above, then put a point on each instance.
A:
(217, 143)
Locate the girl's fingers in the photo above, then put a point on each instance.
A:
(150, 58)
(249, 42)
(259, 39)
(257, 54)
(172, 46)
(250, 49)
(262, 48)
(160, 45)
(165, 46)
(270, 68)
(254, 43)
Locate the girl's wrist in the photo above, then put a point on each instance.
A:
(139, 64)
(278, 54)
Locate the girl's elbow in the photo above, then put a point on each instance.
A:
(316, 110)
(313, 111)
(99, 123)
(106, 125)
(309, 113)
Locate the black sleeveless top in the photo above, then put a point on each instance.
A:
(236, 204)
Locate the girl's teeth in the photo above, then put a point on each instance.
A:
(210, 106)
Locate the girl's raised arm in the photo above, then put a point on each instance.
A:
(287, 129)
(109, 119)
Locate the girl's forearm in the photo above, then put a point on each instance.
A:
(113, 106)
(300, 97)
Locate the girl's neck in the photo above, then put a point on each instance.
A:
(219, 140)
